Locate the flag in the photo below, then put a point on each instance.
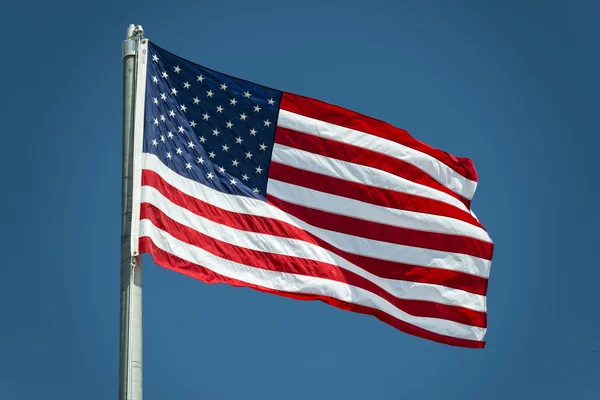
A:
(242, 184)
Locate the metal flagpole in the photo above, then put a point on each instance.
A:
(130, 346)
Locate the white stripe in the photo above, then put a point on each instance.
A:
(370, 212)
(378, 250)
(399, 253)
(359, 174)
(294, 283)
(431, 165)
(302, 249)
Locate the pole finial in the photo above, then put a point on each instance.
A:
(129, 44)
(134, 32)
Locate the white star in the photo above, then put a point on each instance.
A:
(202, 139)
(171, 113)
(155, 79)
(180, 129)
(155, 121)
(174, 92)
(209, 175)
(205, 116)
(155, 100)
(186, 85)
(219, 109)
(177, 69)
(239, 140)
(169, 156)
(200, 160)
(267, 123)
(229, 125)
(222, 170)
(247, 95)
(216, 132)
(253, 132)
(271, 102)
(164, 75)
(200, 78)
(188, 166)
(179, 151)
(162, 118)
(211, 155)
(183, 107)
(243, 116)
(163, 96)
(259, 170)
(225, 147)
(193, 124)
(196, 100)
(223, 86)
(245, 177)
(154, 142)
(256, 108)
(154, 58)
(191, 144)
(235, 163)
(255, 190)
(248, 155)
(209, 93)
(263, 146)
(170, 135)
(162, 138)
(233, 102)
(232, 182)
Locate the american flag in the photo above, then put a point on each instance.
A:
(251, 186)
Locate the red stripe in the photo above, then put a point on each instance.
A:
(382, 268)
(205, 275)
(385, 233)
(350, 119)
(301, 266)
(361, 156)
(368, 194)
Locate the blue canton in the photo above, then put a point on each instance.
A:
(207, 126)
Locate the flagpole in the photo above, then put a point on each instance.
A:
(130, 346)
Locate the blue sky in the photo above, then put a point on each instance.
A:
(513, 85)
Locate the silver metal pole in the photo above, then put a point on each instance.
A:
(130, 347)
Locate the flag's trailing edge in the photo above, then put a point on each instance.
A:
(251, 186)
